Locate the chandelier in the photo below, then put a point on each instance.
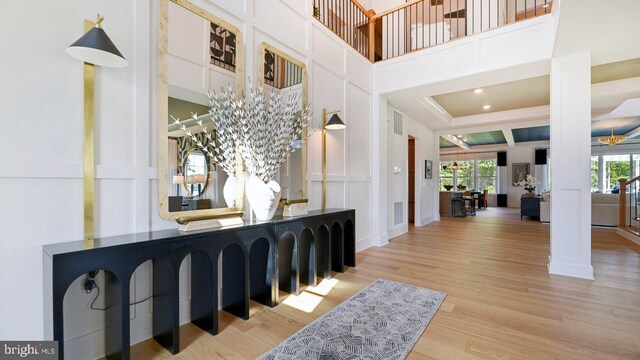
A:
(613, 139)
(462, 166)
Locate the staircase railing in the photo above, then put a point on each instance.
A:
(347, 19)
(419, 24)
(629, 213)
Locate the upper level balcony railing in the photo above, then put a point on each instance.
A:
(347, 19)
(419, 24)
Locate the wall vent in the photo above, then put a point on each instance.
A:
(397, 123)
(397, 213)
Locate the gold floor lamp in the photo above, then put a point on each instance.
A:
(93, 48)
(335, 123)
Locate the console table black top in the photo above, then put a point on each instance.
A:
(170, 234)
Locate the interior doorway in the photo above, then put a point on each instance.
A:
(411, 175)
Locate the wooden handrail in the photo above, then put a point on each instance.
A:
(633, 180)
(365, 11)
(397, 8)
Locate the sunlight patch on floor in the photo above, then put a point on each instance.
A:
(311, 297)
(306, 301)
(324, 287)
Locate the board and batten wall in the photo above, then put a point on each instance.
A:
(41, 156)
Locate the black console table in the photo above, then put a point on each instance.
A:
(258, 260)
(530, 206)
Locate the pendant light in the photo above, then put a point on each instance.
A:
(613, 139)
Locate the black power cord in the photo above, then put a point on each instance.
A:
(91, 284)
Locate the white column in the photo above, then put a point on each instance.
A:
(571, 161)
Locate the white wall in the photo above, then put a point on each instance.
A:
(397, 184)
(41, 172)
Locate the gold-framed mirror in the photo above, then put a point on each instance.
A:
(198, 53)
(283, 73)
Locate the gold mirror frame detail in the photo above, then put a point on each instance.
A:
(264, 47)
(163, 96)
(207, 165)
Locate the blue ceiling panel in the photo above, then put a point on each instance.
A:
(619, 126)
(485, 138)
(537, 133)
(444, 143)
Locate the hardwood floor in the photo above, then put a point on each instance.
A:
(501, 303)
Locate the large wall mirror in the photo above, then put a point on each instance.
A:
(279, 72)
(198, 53)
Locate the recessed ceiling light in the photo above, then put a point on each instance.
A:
(478, 90)
(487, 107)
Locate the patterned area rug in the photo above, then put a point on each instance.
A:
(382, 321)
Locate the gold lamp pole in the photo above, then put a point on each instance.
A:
(334, 123)
(93, 48)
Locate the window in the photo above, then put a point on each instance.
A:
(466, 174)
(616, 167)
(636, 165)
(487, 175)
(475, 174)
(594, 174)
(446, 174)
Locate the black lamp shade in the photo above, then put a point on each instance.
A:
(335, 123)
(95, 47)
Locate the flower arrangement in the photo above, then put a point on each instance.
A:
(528, 184)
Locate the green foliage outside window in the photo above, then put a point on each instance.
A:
(594, 173)
(487, 175)
(446, 174)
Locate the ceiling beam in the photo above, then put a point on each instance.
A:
(508, 135)
(454, 140)
(506, 116)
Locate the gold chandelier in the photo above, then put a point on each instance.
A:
(613, 139)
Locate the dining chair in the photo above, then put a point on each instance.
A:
(484, 198)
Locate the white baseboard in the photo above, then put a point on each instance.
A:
(398, 230)
(573, 270)
(363, 244)
(427, 220)
(384, 240)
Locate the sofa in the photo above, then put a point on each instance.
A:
(604, 208)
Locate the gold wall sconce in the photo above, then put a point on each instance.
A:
(93, 48)
(334, 123)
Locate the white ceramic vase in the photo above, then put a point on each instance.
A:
(263, 198)
(230, 191)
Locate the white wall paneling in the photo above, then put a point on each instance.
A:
(43, 179)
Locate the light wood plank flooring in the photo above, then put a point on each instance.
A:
(501, 303)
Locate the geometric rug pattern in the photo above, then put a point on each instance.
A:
(382, 321)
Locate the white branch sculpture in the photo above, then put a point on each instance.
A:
(262, 128)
